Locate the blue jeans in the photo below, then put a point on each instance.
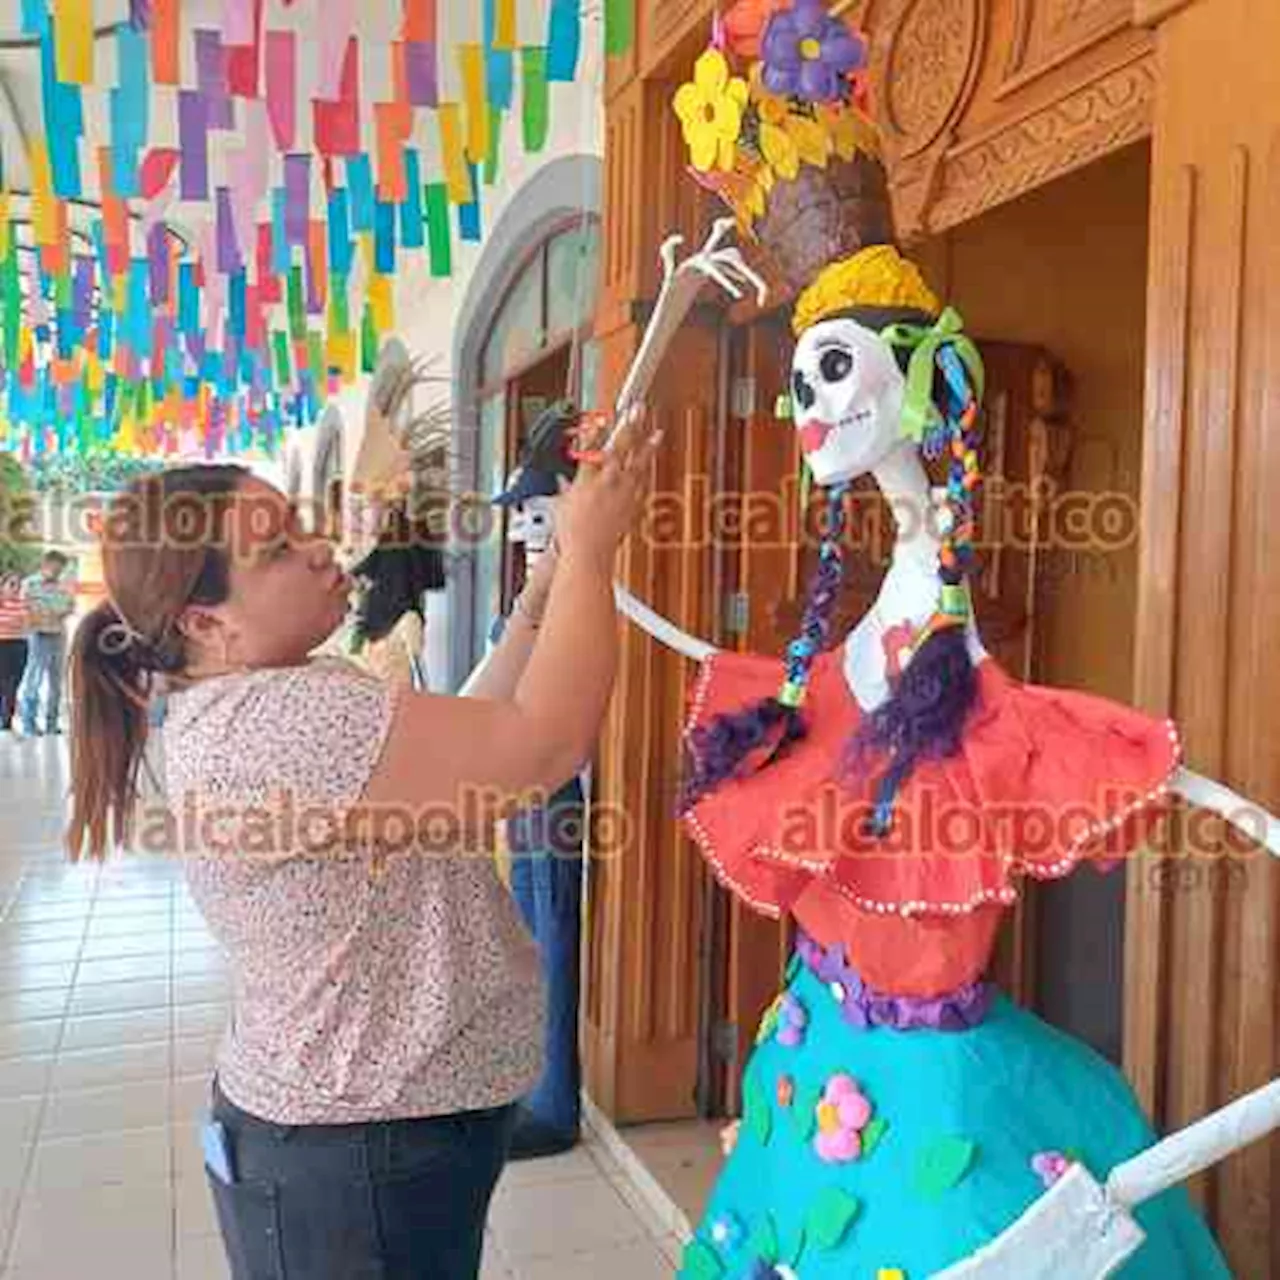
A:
(396, 1200)
(546, 882)
(46, 654)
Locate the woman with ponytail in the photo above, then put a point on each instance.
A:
(337, 837)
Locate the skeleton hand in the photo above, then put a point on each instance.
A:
(681, 283)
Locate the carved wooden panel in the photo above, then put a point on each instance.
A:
(669, 25)
(1101, 116)
(1048, 33)
(931, 52)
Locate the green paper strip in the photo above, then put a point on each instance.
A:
(435, 199)
(12, 310)
(619, 26)
(280, 341)
(368, 341)
(338, 301)
(62, 291)
(492, 157)
(297, 315)
(315, 351)
(535, 99)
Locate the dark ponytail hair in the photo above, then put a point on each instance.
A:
(925, 714)
(163, 548)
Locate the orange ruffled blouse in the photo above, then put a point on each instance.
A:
(1044, 779)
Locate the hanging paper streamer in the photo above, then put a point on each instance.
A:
(336, 30)
(336, 124)
(564, 40)
(455, 166)
(469, 213)
(211, 79)
(318, 269)
(360, 183)
(619, 26)
(64, 123)
(535, 99)
(419, 21)
(243, 54)
(297, 185)
(279, 234)
(394, 124)
(35, 18)
(384, 237)
(229, 259)
(471, 65)
(412, 230)
(165, 66)
(420, 73)
(193, 135)
(340, 248)
(73, 36)
(496, 119)
(504, 25)
(435, 197)
(380, 304)
(282, 86)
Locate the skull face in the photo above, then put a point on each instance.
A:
(532, 522)
(847, 392)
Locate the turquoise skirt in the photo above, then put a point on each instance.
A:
(889, 1155)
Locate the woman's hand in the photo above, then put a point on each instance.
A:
(599, 509)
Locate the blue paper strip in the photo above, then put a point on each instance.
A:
(188, 298)
(412, 225)
(64, 121)
(564, 40)
(138, 312)
(384, 237)
(360, 181)
(35, 17)
(469, 214)
(133, 54)
(279, 241)
(340, 247)
(106, 333)
(499, 65)
(238, 303)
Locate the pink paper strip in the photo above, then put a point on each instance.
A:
(237, 22)
(338, 24)
(282, 87)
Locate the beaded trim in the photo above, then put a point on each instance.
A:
(1011, 864)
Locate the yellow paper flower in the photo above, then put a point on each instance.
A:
(878, 276)
(710, 108)
(849, 131)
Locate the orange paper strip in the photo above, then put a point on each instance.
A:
(165, 66)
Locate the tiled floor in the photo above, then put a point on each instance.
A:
(111, 999)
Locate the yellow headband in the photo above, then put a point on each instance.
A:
(875, 277)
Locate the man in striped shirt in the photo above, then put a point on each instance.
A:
(13, 646)
(49, 604)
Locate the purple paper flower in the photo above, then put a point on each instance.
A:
(808, 53)
(793, 1019)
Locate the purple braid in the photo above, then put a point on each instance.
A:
(722, 749)
(925, 716)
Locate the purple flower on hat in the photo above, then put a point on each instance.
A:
(808, 53)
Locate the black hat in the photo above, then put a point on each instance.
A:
(544, 457)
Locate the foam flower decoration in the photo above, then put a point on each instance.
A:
(793, 1020)
(1050, 1165)
(727, 1232)
(809, 54)
(843, 1113)
(744, 23)
(788, 137)
(762, 1270)
(710, 109)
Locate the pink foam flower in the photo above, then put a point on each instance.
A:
(843, 1113)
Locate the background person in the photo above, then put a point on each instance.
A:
(13, 646)
(49, 603)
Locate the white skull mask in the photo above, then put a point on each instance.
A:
(847, 390)
(532, 522)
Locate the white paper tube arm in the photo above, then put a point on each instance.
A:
(1250, 818)
(660, 628)
(1196, 1147)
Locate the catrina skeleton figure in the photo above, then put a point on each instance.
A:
(888, 788)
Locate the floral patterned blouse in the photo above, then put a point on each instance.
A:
(369, 982)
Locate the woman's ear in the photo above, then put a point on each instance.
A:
(198, 625)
